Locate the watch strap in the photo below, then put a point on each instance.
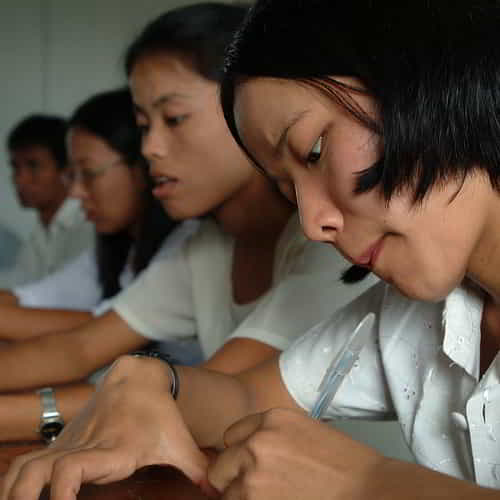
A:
(169, 361)
(49, 407)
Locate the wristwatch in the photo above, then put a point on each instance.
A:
(51, 421)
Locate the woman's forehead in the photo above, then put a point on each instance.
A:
(266, 105)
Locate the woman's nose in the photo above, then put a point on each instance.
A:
(153, 144)
(320, 218)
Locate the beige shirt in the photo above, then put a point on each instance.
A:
(48, 248)
(190, 293)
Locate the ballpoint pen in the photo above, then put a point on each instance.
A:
(341, 366)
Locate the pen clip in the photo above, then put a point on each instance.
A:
(342, 364)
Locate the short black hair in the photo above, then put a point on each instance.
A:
(48, 131)
(200, 32)
(432, 66)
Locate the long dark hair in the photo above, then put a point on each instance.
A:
(432, 66)
(200, 32)
(110, 116)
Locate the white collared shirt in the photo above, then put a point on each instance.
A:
(48, 248)
(421, 367)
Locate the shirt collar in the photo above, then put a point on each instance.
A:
(68, 214)
(462, 328)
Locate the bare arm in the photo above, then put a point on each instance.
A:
(66, 357)
(8, 298)
(20, 413)
(238, 355)
(22, 323)
(231, 398)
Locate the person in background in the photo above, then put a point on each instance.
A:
(108, 174)
(37, 152)
(381, 121)
(130, 228)
(246, 283)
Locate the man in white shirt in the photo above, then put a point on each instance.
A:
(38, 158)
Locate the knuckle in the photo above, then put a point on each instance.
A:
(258, 447)
(61, 466)
(121, 366)
(276, 415)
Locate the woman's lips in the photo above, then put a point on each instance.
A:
(369, 258)
(164, 186)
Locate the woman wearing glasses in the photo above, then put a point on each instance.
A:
(109, 175)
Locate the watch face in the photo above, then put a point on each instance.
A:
(50, 430)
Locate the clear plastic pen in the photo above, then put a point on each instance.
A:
(341, 366)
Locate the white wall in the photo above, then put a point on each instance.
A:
(54, 54)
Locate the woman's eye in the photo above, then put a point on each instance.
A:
(370, 177)
(143, 128)
(315, 153)
(173, 121)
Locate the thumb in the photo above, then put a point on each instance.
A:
(243, 429)
(193, 464)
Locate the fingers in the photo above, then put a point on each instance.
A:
(65, 471)
(237, 458)
(194, 466)
(87, 466)
(231, 464)
(243, 429)
(25, 479)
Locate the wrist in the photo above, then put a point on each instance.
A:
(168, 362)
(51, 421)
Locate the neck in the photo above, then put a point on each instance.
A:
(258, 211)
(47, 213)
(484, 266)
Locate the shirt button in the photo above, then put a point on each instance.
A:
(459, 421)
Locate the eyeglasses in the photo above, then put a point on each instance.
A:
(86, 176)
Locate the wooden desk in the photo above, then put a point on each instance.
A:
(151, 483)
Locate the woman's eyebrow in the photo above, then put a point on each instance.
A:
(280, 145)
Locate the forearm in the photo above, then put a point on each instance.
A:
(21, 323)
(8, 298)
(210, 402)
(66, 357)
(47, 360)
(20, 413)
(393, 480)
(240, 354)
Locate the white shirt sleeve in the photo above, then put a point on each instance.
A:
(74, 286)
(170, 245)
(159, 303)
(364, 392)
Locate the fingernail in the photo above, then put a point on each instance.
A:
(208, 489)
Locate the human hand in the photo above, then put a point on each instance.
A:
(131, 422)
(285, 454)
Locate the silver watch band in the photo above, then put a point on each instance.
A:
(48, 400)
